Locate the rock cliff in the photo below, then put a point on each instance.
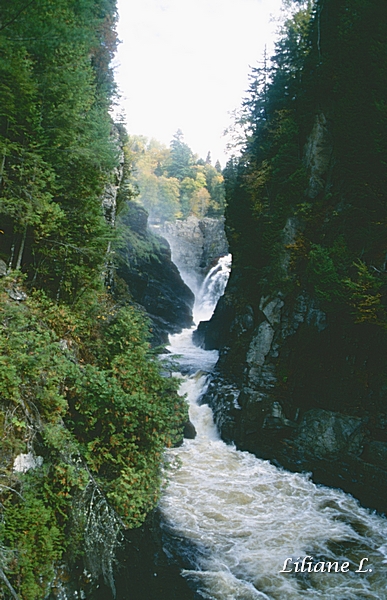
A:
(195, 244)
(296, 382)
(144, 265)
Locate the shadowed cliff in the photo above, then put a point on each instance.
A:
(302, 373)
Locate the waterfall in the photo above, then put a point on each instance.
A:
(234, 521)
(211, 289)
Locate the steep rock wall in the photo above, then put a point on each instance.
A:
(296, 383)
(195, 244)
(153, 280)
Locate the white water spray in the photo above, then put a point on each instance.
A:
(234, 519)
(212, 289)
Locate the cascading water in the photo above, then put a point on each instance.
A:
(234, 519)
(211, 289)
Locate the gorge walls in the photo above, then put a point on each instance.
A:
(196, 244)
(152, 279)
(301, 329)
(151, 262)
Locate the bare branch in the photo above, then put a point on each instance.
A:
(7, 583)
(17, 15)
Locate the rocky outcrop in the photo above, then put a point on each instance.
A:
(318, 155)
(296, 383)
(315, 426)
(144, 264)
(109, 198)
(196, 244)
(142, 569)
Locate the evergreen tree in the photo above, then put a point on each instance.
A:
(181, 158)
(166, 196)
(57, 151)
(80, 390)
(306, 207)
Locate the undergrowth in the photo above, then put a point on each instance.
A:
(83, 399)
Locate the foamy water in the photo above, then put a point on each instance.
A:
(234, 519)
(245, 517)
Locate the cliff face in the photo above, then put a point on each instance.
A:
(150, 263)
(153, 280)
(195, 244)
(293, 387)
(301, 329)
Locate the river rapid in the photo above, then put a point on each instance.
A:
(234, 522)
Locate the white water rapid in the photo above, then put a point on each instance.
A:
(234, 519)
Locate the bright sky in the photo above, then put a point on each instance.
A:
(184, 64)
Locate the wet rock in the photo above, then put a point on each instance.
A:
(296, 380)
(229, 330)
(142, 571)
(260, 345)
(25, 462)
(318, 154)
(137, 219)
(109, 198)
(376, 453)
(326, 434)
(275, 418)
(63, 345)
(272, 309)
(189, 431)
(222, 397)
(316, 318)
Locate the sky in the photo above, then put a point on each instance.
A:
(184, 64)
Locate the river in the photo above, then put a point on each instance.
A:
(233, 520)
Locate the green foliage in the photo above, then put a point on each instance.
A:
(366, 297)
(127, 407)
(322, 275)
(57, 153)
(81, 394)
(81, 389)
(215, 187)
(269, 180)
(180, 161)
(172, 183)
(315, 68)
(31, 531)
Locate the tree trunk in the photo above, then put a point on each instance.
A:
(11, 257)
(2, 168)
(21, 250)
